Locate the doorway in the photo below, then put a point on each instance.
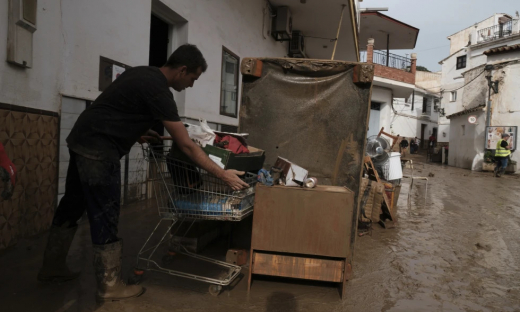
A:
(375, 119)
(423, 130)
(158, 54)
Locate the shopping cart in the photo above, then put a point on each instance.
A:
(185, 193)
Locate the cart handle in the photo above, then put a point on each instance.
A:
(146, 138)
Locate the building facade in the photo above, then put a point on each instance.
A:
(417, 116)
(484, 49)
(57, 57)
(394, 75)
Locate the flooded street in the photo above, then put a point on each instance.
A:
(458, 250)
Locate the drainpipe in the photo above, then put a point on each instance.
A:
(387, 48)
(413, 99)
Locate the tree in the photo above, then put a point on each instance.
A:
(422, 68)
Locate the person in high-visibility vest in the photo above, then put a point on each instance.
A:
(502, 153)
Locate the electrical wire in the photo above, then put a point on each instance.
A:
(467, 83)
(432, 48)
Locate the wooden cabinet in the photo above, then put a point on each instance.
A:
(303, 233)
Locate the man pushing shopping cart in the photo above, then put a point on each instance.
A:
(102, 135)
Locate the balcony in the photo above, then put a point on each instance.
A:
(389, 60)
(391, 71)
(499, 31)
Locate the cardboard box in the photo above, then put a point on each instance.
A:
(293, 174)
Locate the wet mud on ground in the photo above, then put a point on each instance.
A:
(458, 249)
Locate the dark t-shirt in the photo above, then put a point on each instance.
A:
(404, 143)
(504, 143)
(131, 105)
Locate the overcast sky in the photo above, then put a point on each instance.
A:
(437, 19)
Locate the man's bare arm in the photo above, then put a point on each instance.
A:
(196, 154)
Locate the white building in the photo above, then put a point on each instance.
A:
(416, 116)
(62, 54)
(394, 75)
(465, 89)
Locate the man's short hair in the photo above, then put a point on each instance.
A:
(187, 55)
(504, 135)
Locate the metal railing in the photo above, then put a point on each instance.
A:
(495, 32)
(390, 60)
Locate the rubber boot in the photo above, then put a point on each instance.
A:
(107, 265)
(54, 267)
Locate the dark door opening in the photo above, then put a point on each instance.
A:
(423, 130)
(159, 40)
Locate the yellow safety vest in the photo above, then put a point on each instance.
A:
(501, 151)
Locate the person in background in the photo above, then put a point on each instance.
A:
(413, 146)
(403, 146)
(418, 142)
(502, 153)
(432, 141)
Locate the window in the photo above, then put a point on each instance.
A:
(461, 62)
(229, 84)
(375, 106)
(427, 106)
(453, 96)
(436, 106)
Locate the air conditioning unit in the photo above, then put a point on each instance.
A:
(282, 24)
(297, 45)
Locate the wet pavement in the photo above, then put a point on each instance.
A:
(457, 249)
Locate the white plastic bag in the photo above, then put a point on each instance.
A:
(202, 135)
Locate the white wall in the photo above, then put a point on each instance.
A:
(235, 24)
(506, 104)
(407, 123)
(73, 34)
(38, 86)
(503, 57)
(117, 29)
(461, 38)
(467, 149)
(478, 58)
(451, 80)
(384, 97)
(444, 133)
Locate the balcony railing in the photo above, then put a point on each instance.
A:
(389, 60)
(495, 32)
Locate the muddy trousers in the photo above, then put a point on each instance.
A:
(501, 164)
(94, 186)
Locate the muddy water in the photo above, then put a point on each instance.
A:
(457, 249)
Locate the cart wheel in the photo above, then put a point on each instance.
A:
(168, 258)
(214, 290)
(136, 278)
